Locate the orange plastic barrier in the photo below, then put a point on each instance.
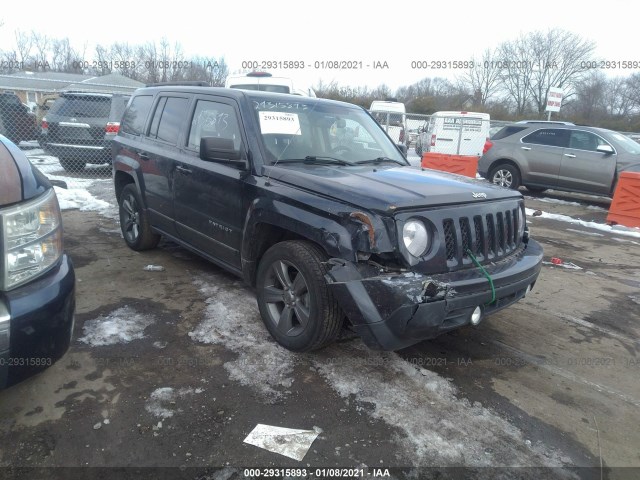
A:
(625, 206)
(461, 164)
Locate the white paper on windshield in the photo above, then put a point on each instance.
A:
(279, 122)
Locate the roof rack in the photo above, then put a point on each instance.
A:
(190, 83)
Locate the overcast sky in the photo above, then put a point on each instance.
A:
(329, 30)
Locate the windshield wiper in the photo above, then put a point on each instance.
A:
(381, 159)
(315, 159)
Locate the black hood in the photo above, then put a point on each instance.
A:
(387, 188)
(19, 180)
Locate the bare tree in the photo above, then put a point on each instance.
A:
(64, 58)
(483, 78)
(560, 58)
(24, 44)
(514, 61)
(41, 45)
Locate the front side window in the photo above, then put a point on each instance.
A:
(213, 119)
(552, 137)
(582, 140)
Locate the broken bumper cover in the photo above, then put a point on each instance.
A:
(394, 311)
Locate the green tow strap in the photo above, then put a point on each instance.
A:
(486, 274)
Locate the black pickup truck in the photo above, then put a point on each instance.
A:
(311, 202)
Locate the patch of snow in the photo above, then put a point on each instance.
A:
(438, 426)
(555, 200)
(596, 208)
(84, 201)
(617, 229)
(162, 402)
(582, 232)
(120, 326)
(232, 320)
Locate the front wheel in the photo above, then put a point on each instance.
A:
(294, 301)
(506, 175)
(134, 221)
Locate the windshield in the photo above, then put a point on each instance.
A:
(299, 130)
(628, 145)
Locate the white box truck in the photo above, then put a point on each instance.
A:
(392, 116)
(454, 133)
(266, 82)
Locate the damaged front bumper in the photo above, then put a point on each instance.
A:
(394, 311)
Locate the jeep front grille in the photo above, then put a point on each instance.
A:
(488, 237)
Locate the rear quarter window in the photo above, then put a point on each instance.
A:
(136, 115)
(507, 132)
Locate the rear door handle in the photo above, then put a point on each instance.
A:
(570, 155)
(526, 148)
(183, 170)
(143, 156)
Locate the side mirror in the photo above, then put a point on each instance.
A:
(220, 149)
(403, 148)
(604, 149)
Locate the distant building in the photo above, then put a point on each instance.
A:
(34, 88)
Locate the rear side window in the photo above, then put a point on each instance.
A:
(553, 137)
(82, 106)
(136, 115)
(507, 132)
(168, 118)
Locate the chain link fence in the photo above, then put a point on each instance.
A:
(67, 133)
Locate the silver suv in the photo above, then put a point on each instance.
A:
(559, 156)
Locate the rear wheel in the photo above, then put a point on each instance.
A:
(72, 165)
(294, 301)
(134, 221)
(505, 175)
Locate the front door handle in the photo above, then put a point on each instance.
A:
(570, 155)
(183, 170)
(526, 148)
(143, 156)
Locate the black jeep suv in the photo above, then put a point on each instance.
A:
(79, 128)
(310, 201)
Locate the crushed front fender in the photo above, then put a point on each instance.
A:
(391, 311)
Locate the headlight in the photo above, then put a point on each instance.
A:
(31, 239)
(522, 221)
(415, 237)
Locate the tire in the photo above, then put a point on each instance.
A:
(134, 221)
(306, 316)
(536, 189)
(72, 165)
(505, 175)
